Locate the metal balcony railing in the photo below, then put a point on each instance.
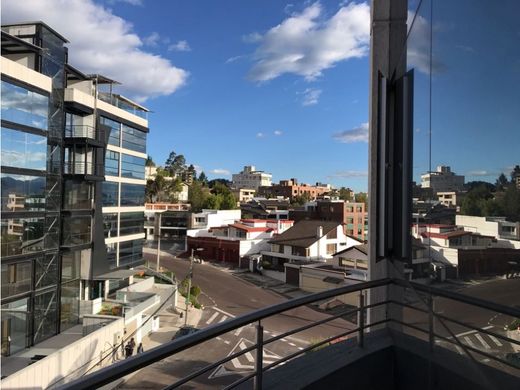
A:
(83, 168)
(80, 131)
(120, 369)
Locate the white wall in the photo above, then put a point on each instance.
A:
(70, 362)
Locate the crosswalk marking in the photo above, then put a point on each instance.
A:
(210, 320)
(495, 340)
(469, 342)
(479, 338)
(238, 331)
(224, 318)
(292, 344)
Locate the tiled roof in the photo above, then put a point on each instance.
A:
(303, 233)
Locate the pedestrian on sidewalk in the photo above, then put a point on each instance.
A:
(140, 348)
(128, 350)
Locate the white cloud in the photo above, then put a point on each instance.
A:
(348, 174)
(311, 96)
(357, 134)
(220, 171)
(278, 132)
(179, 46)
(152, 39)
(252, 38)
(131, 2)
(480, 173)
(233, 59)
(260, 135)
(418, 46)
(306, 43)
(101, 42)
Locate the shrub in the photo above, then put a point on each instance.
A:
(195, 291)
(514, 325)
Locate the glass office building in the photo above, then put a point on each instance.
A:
(61, 138)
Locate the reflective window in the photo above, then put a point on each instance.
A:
(16, 278)
(77, 195)
(112, 254)
(45, 271)
(15, 313)
(112, 163)
(23, 150)
(132, 194)
(134, 139)
(22, 235)
(130, 252)
(45, 316)
(19, 105)
(131, 223)
(22, 193)
(76, 231)
(69, 313)
(70, 266)
(110, 193)
(115, 131)
(132, 167)
(110, 224)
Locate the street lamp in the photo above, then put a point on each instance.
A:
(158, 245)
(190, 275)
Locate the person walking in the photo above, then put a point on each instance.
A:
(128, 350)
(140, 348)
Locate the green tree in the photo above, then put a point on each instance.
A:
(474, 203)
(515, 173)
(203, 178)
(501, 182)
(345, 194)
(149, 162)
(511, 203)
(197, 196)
(229, 202)
(361, 197)
(175, 164)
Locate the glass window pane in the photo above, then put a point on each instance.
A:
(16, 278)
(130, 252)
(115, 131)
(22, 193)
(44, 316)
(110, 224)
(70, 266)
(76, 231)
(14, 323)
(112, 254)
(23, 150)
(22, 235)
(110, 193)
(132, 167)
(112, 163)
(46, 271)
(134, 139)
(69, 304)
(131, 223)
(132, 194)
(25, 107)
(77, 195)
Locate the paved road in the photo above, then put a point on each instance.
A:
(225, 296)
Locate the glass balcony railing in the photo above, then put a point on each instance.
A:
(80, 131)
(115, 100)
(83, 168)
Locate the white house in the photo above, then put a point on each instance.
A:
(207, 219)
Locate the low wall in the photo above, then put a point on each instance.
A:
(140, 286)
(70, 362)
(274, 274)
(90, 307)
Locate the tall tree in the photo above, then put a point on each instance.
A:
(149, 162)
(345, 194)
(501, 182)
(203, 178)
(361, 197)
(515, 173)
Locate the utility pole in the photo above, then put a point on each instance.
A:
(190, 273)
(157, 262)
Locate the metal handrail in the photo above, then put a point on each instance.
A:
(120, 369)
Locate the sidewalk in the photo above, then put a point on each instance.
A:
(275, 285)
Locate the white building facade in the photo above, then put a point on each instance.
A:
(250, 178)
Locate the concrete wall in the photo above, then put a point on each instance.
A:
(90, 307)
(274, 274)
(70, 362)
(140, 286)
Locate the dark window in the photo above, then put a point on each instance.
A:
(19, 105)
(46, 271)
(16, 278)
(69, 313)
(70, 266)
(132, 194)
(112, 163)
(22, 235)
(76, 231)
(111, 254)
(132, 166)
(23, 150)
(16, 313)
(130, 252)
(134, 139)
(110, 193)
(77, 195)
(131, 223)
(115, 131)
(45, 324)
(110, 224)
(22, 193)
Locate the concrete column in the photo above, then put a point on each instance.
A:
(388, 57)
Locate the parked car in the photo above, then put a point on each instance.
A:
(184, 331)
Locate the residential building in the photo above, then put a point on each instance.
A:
(230, 243)
(507, 233)
(251, 178)
(442, 180)
(72, 181)
(290, 189)
(450, 199)
(308, 240)
(262, 208)
(243, 195)
(205, 220)
(352, 215)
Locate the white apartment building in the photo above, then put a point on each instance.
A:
(506, 233)
(251, 178)
(207, 219)
(442, 180)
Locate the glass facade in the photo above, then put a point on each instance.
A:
(16, 278)
(115, 131)
(15, 324)
(132, 167)
(46, 271)
(23, 150)
(112, 163)
(132, 194)
(76, 230)
(130, 252)
(77, 195)
(110, 224)
(134, 139)
(20, 105)
(70, 266)
(22, 192)
(131, 223)
(112, 254)
(22, 235)
(45, 319)
(69, 304)
(110, 194)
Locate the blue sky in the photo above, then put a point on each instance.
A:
(230, 96)
(284, 86)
